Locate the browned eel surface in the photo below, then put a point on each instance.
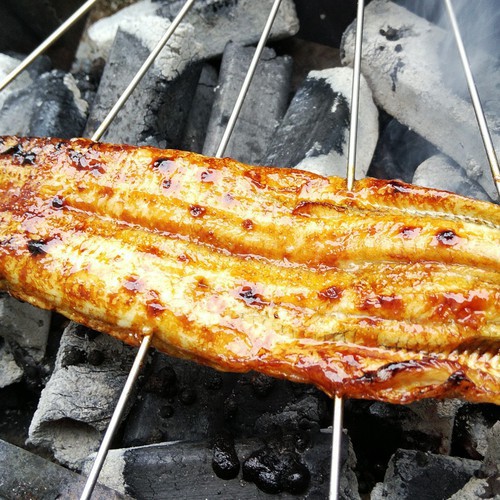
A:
(389, 292)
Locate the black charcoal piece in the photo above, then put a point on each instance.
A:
(406, 78)
(26, 475)
(415, 474)
(314, 133)
(441, 172)
(201, 108)
(263, 108)
(59, 110)
(156, 113)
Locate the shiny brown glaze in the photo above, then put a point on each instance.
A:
(389, 292)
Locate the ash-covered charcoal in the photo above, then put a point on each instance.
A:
(215, 22)
(263, 108)
(441, 172)
(315, 128)
(164, 94)
(10, 371)
(76, 404)
(35, 477)
(415, 474)
(59, 109)
(406, 79)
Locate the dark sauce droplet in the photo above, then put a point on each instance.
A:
(57, 202)
(37, 247)
(448, 238)
(196, 210)
(225, 462)
(248, 224)
(330, 293)
(163, 164)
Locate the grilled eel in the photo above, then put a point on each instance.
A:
(387, 292)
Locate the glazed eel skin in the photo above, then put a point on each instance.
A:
(387, 292)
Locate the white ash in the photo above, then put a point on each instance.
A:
(333, 163)
(80, 103)
(112, 473)
(401, 62)
(242, 22)
(7, 64)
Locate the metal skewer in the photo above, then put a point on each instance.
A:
(476, 101)
(47, 42)
(338, 409)
(146, 340)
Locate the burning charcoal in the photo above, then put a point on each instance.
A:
(78, 400)
(201, 108)
(401, 62)
(59, 109)
(316, 126)
(263, 108)
(25, 475)
(163, 95)
(414, 474)
(214, 23)
(441, 172)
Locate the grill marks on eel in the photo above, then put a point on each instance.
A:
(383, 292)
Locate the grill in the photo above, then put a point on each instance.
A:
(160, 373)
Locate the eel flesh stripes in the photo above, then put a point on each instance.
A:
(387, 292)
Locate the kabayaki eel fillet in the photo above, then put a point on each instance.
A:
(389, 292)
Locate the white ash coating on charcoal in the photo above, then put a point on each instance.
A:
(164, 95)
(441, 172)
(36, 477)
(164, 101)
(316, 126)
(214, 21)
(77, 403)
(401, 62)
(199, 113)
(415, 474)
(262, 110)
(156, 471)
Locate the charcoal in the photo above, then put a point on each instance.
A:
(24, 326)
(59, 110)
(163, 95)
(441, 172)
(263, 108)
(315, 128)
(10, 371)
(76, 405)
(26, 475)
(214, 21)
(201, 108)
(399, 151)
(164, 469)
(471, 429)
(401, 62)
(415, 474)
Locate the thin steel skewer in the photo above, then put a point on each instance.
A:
(248, 80)
(476, 101)
(142, 71)
(47, 43)
(115, 419)
(146, 340)
(338, 407)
